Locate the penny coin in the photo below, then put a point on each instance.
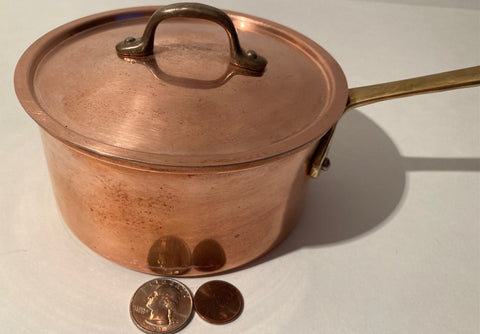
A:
(162, 305)
(218, 302)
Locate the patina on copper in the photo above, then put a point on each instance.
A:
(142, 166)
(186, 149)
(118, 108)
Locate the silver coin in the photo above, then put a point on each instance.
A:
(162, 305)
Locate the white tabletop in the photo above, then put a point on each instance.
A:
(389, 237)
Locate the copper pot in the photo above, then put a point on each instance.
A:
(180, 153)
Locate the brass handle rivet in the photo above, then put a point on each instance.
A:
(252, 54)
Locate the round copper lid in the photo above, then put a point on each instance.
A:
(192, 102)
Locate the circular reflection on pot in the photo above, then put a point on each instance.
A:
(208, 255)
(169, 256)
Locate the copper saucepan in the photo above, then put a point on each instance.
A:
(178, 152)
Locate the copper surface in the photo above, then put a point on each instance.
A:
(178, 176)
(208, 256)
(169, 256)
(135, 216)
(73, 83)
(218, 302)
(193, 175)
(161, 306)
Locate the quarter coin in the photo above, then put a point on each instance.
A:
(218, 302)
(162, 305)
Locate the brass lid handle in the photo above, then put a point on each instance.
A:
(140, 47)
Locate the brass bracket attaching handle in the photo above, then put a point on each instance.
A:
(133, 47)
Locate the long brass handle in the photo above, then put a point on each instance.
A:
(359, 96)
(466, 77)
(143, 46)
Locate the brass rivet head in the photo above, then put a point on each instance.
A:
(251, 54)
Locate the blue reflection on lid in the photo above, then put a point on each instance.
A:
(128, 16)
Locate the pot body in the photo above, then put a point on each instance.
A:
(174, 221)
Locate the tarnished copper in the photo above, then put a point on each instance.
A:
(126, 212)
(180, 162)
(121, 109)
(179, 176)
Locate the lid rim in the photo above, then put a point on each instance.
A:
(28, 63)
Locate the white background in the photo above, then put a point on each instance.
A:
(389, 237)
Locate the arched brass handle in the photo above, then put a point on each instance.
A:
(140, 47)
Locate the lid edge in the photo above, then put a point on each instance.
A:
(28, 62)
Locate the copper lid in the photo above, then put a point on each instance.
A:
(191, 102)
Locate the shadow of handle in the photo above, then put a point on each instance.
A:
(441, 164)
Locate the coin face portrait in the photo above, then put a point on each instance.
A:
(161, 305)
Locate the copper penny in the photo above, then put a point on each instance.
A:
(218, 302)
(162, 305)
